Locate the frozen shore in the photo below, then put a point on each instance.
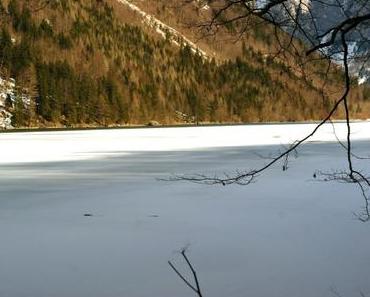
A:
(87, 144)
(83, 214)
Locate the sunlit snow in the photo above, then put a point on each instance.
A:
(82, 213)
(88, 144)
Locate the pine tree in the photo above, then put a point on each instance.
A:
(2, 8)
(6, 49)
(21, 57)
(27, 81)
(14, 12)
(20, 116)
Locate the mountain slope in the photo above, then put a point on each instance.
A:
(108, 63)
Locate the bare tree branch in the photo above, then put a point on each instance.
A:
(331, 44)
(196, 287)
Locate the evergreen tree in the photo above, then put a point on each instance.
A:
(27, 82)
(26, 23)
(14, 12)
(2, 8)
(20, 116)
(8, 101)
(6, 48)
(21, 56)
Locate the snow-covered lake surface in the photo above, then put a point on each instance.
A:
(286, 235)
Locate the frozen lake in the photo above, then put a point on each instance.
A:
(286, 235)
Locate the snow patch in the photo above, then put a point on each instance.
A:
(164, 30)
(362, 80)
(303, 5)
(7, 92)
(203, 4)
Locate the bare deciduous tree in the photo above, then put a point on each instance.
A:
(334, 31)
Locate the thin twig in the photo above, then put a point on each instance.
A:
(195, 288)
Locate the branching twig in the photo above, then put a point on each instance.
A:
(332, 44)
(196, 287)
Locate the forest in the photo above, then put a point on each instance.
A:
(79, 64)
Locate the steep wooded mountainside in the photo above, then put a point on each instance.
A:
(99, 63)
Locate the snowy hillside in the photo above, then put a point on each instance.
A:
(8, 97)
(7, 92)
(164, 30)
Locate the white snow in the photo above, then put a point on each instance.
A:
(80, 145)
(7, 88)
(362, 80)
(164, 30)
(203, 4)
(303, 5)
(5, 119)
(283, 236)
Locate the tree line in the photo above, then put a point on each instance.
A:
(79, 64)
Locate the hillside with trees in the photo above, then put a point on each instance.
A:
(95, 63)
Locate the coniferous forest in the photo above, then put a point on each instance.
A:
(79, 64)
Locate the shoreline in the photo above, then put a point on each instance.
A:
(77, 144)
(129, 127)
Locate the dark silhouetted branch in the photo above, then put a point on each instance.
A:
(196, 287)
(332, 45)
